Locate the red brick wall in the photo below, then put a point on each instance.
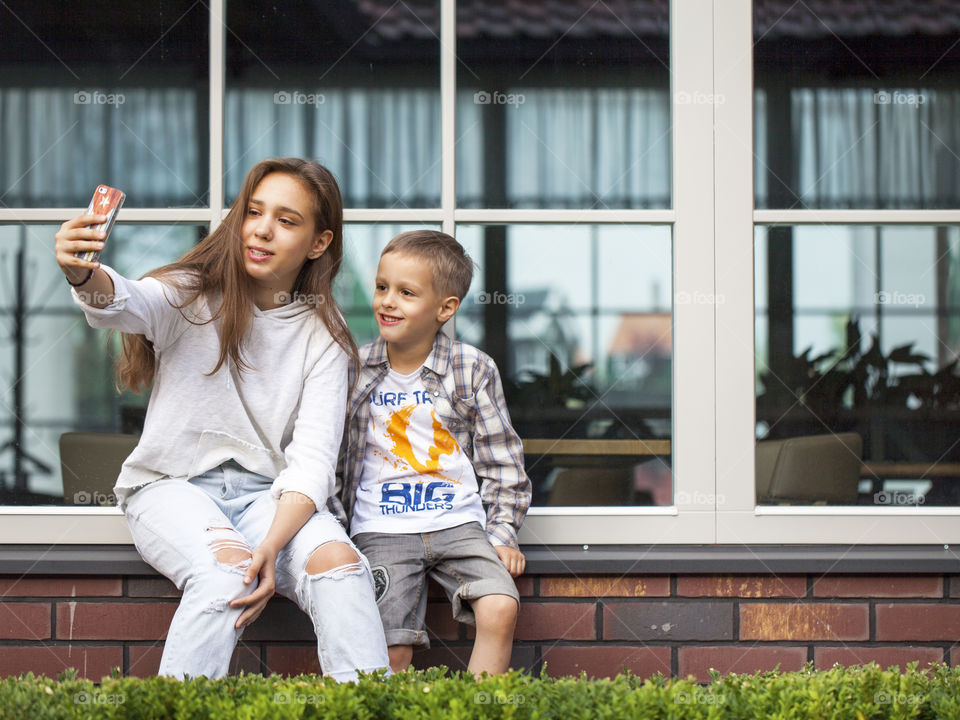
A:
(679, 625)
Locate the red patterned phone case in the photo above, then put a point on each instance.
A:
(106, 201)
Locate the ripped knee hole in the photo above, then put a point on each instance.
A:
(229, 548)
(341, 571)
(333, 558)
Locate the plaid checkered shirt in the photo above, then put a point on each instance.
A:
(468, 399)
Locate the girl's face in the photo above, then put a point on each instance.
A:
(279, 236)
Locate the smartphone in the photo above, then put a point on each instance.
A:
(106, 201)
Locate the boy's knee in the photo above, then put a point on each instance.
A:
(495, 610)
(330, 556)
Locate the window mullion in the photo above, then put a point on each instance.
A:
(694, 455)
(733, 139)
(218, 12)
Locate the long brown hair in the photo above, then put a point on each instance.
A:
(215, 267)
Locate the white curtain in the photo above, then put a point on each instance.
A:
(55, 148)
(382, 145)
(589, 148)
(868, 148)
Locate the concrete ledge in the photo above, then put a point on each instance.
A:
(568, 559)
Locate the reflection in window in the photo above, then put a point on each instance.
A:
(856, 109)
(362, 96)
(61, 377)
(858, 332)
(566, 106)
(130, 111)
(561, 148)
(578, 319)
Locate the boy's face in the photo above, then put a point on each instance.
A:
(408, 308)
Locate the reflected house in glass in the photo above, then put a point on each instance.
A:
(639, 357)
(540, 327)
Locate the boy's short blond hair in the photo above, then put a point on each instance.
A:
(452, 267)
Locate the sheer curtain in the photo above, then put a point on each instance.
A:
(56, 148)
(383, 145)
(589, 148)
(867, 147)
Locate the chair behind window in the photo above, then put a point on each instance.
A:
(90, 463)
(811, 469)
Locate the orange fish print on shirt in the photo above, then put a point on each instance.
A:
(443, 442)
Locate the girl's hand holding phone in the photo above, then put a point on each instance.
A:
(76, 236)
(79, 242)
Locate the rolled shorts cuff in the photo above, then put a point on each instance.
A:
(479, 589)
(405, 636)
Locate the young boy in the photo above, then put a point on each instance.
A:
(433, 476)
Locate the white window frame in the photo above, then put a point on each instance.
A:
(712, 221)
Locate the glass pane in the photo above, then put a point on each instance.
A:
(856, 107)
(563, 106)
(62, 377)
(578, 319)
(360, 93)
(857, 336)
(130, 110)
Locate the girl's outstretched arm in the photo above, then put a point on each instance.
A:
(93, 284)
(293, 511)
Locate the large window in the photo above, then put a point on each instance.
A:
(543, 114)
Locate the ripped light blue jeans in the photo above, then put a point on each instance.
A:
(178, 526)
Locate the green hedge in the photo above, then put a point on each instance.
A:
(858, 693)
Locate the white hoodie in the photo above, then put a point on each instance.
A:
(282, 417)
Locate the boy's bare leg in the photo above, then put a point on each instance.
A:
(400, 657)
(496, 619)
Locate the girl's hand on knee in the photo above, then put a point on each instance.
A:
(263, 564)
(78, 235)
(512, 559)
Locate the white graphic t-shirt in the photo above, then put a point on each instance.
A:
(415, 475)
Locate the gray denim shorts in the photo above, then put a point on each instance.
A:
(461, 559)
